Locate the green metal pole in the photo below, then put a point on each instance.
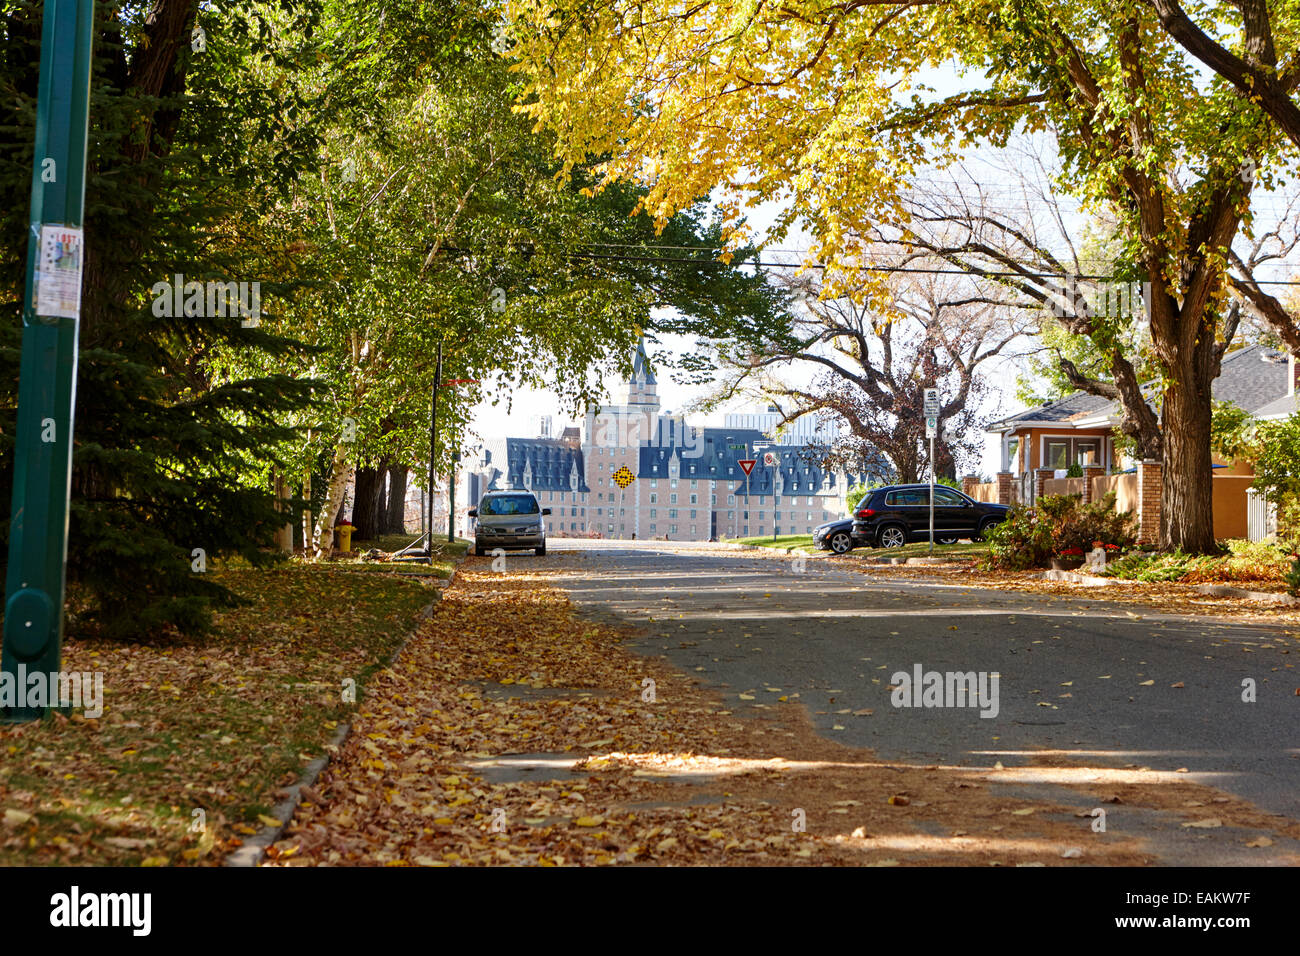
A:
(38, 535)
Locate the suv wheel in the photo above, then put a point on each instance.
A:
(892, 536)
(947, 540)
(841, 542)
(984, 528)
(540, 552)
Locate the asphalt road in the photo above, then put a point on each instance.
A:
(1071, 672)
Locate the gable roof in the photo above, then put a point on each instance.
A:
(1250, 377)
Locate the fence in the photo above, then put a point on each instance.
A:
(1261, 516)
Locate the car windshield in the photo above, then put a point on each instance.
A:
(508, 505)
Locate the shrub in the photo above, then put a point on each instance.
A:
(1057, 524)
(1074, 471)
(1292, 577)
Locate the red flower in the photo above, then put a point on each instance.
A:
(1073, 552)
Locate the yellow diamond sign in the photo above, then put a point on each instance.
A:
(623, 477)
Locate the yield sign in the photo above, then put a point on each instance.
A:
(747, 464)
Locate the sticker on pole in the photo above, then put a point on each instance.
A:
(58, 272)
(623, 477)
(931, 426)
(771, 459)
(747, 464)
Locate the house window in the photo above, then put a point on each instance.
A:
(1058, 454)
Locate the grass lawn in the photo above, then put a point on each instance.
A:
(919, 549)
(804, 542)
(200, 730)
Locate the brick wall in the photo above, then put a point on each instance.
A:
(1149, 490)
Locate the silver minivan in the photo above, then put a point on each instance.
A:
(509, 520)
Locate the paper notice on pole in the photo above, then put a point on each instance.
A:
(58, 272)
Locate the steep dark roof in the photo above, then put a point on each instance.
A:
(641, 365)
(551, 461)
(708, 454)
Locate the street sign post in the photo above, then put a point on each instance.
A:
(931, 427)
(771, 460)
(622, 478)
(747, 465)
(38, 533)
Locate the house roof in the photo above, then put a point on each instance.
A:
(1278, 408)
(1250, 377)
(1072, 406)
(551, 463)
(714, 454)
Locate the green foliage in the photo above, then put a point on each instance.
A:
(170, 454)
(1029, 537)
(1231, 431)
(950, 482)
(1276, 452)
(1074, 471)
(855, 495)
(1245, 562)
(1292, 577)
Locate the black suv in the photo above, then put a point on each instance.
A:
(891, 516)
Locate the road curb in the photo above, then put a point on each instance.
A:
(1270, 597)
(253, 850)
(1074, 577)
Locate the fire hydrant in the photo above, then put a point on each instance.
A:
(345, 537)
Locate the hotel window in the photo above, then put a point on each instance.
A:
(692, 512)
(713, 499)
(731, 499)
(694, 483)
(673, 529)
(672, 499)
(672, 483)
(654, 513)
(695, 499)
(692, 529)
(654, 498)
(672, 512)
(654, 482)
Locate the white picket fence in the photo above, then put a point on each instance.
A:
(1261, 516)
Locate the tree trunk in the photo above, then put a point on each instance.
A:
(340, 471)
(367, 503)
(395, 517)
(1187, 478)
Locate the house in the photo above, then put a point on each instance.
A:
(1040, 444)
